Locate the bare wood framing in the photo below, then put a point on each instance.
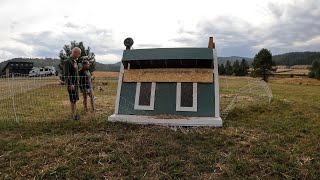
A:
(169, 75)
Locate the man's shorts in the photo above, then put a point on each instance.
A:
(73, 94)
(86, 90)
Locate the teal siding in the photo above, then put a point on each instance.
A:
(165, 100)
(168, 53)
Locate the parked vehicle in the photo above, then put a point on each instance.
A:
(42, 71)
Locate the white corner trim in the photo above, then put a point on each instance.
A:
(194, 107)
(116, 109)
(136, 102)
(216, 84)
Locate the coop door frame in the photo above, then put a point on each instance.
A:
(194, 101)
(137, 98)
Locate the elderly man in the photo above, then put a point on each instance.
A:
(71, 79)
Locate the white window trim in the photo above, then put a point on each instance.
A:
(136, 103)
(195, 97)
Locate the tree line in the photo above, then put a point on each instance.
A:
(296, 58)
(262, 66)
(237, 68)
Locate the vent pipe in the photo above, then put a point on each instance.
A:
(211, 44)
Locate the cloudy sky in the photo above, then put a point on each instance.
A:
(38, 28)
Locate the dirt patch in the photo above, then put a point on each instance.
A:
(239, 98)
(244, 98)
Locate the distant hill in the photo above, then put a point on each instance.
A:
(296, 58)
(108, 67)
(288, 59)
(38, 62)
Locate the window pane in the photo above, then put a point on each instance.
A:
(145, 94)
(186, 94)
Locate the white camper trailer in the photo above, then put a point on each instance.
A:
(42, 71)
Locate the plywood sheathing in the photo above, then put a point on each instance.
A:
(169, 75)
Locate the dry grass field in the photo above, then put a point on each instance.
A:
(298, 72)
(297, 80)
(106, 74)
(276, 141)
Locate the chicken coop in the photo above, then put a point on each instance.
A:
(168, 86)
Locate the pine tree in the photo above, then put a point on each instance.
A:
(85, 55)
(315, 70)
(228, 68)
(262, 64)
(236, 68)
(222, 69)
(244, 68)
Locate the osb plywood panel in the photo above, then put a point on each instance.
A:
(168, 75)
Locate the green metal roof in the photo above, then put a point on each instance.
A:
(167, 53)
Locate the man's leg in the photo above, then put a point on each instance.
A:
(92, 101)
(85, 101)
(72, 103)
(73, 109)
(74, 96)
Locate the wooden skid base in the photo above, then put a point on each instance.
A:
(192, 121)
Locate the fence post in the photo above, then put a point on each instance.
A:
(12, 95)
(227, 82)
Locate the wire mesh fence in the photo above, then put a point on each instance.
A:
(242, 91)
(24, 98)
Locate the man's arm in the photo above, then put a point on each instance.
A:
(81, 79)
(67, 72)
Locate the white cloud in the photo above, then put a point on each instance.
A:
(314, 41)
(108, 58)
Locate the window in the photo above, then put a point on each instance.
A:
(186, 99)
(145, 94)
